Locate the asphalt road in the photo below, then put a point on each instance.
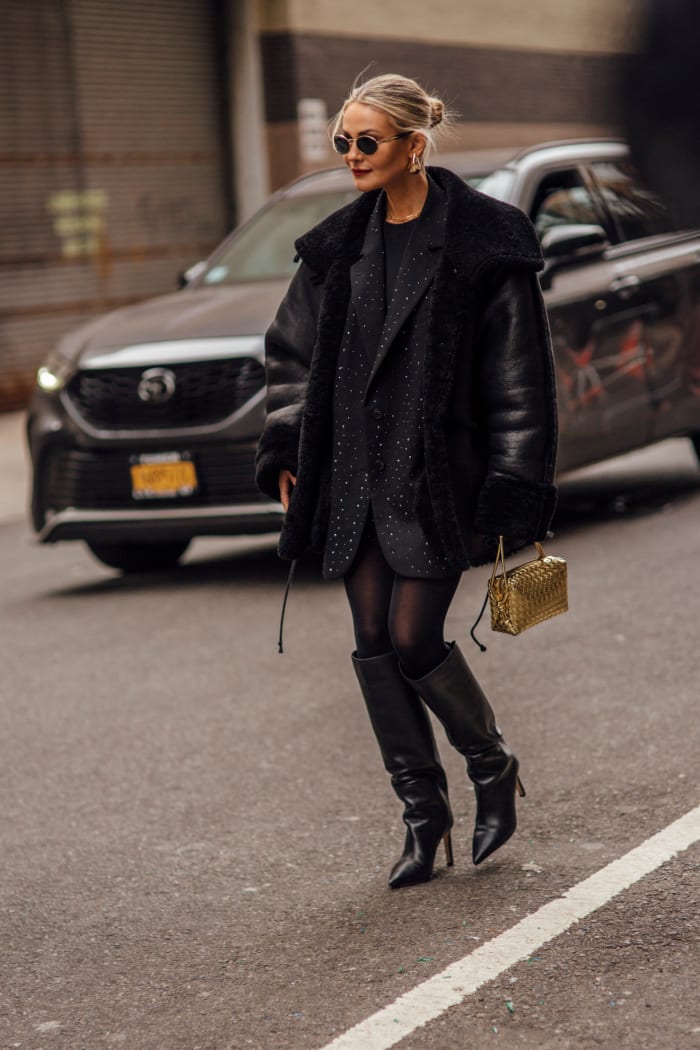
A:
(195, 832)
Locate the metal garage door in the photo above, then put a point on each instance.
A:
(113, 162)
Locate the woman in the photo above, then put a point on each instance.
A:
(411, 419)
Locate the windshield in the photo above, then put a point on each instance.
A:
(496, 184)
(264, 249)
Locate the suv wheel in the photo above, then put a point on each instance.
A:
(695, 438)
(140, 557)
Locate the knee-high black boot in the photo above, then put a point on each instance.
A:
(455, 697)
(405, 737)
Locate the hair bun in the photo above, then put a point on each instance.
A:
(437, 111)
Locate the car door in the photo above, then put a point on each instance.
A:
(597, 329)
(657, 270)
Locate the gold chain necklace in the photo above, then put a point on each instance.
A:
(404, 218)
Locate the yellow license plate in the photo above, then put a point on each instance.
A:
(163, 480)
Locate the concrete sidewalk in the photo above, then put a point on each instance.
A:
(14, 467)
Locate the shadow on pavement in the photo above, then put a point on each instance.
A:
(240, 567)
(595, 499)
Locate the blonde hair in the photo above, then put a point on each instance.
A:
(404, 101)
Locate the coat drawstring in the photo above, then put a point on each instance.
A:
(290, 577)
(478, 621)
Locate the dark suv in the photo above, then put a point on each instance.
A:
(144, 423)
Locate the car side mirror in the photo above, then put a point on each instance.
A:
(563, 242)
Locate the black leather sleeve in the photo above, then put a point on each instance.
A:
(289, 344)
(518, 409)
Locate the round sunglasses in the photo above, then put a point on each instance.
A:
(365, 143)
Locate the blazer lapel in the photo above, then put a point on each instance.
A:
(367, 284)
(418, 266)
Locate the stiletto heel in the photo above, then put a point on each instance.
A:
(455, 697)
(449, 856)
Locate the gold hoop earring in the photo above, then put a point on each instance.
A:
(416, 165)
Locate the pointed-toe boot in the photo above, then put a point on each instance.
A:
(405, 737)
(455, 697)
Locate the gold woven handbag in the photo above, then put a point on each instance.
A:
(526, 595)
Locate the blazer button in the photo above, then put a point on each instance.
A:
(379, 465)
(377, 413)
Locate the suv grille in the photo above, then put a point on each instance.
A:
(205, 392)
(95, 480)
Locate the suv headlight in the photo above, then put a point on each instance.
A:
(53, 375)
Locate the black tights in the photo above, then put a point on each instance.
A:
(394, 612)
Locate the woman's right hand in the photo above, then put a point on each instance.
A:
(287, 481)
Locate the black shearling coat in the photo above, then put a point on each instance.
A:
(488, 433)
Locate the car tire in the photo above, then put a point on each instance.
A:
(140, 557)
(695, 438)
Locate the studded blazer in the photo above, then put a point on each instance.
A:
(377, 455)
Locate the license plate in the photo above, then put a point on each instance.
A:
(163, 476)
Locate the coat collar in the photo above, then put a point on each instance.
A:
(480, 232)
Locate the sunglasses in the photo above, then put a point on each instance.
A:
(365, 143)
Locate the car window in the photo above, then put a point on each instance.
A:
(562, 199)
(264, 249)
(635, 210)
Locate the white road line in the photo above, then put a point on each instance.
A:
(431, 998)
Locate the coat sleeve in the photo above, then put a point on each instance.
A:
(518, 409)
(289, 344)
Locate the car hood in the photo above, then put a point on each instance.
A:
(192, 314)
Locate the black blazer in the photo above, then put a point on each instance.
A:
(482, 460)
(377, 439)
